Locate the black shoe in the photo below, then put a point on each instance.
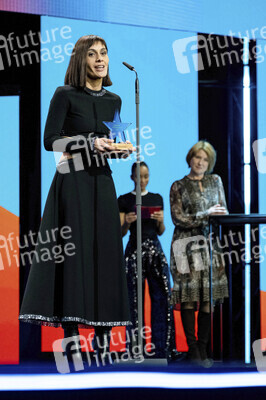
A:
(188, 321)
(193, 354)
(175, 355)
(207, 363)
(73, 347)
(102, 344)
(203, 338)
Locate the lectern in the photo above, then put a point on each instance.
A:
(216, 222)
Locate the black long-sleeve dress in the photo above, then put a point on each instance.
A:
(86, 282)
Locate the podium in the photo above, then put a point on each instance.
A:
(245, 221)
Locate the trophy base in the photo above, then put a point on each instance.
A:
(122, 146)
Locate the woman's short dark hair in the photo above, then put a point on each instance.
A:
(76, 74)
(134, 166)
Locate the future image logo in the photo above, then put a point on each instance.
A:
(187, 54)
(259, 350)
(19, 51)
(70, 349)
(259, 150)
(199, 52)
(195, 245)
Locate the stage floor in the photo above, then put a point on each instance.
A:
(233, 380)
(49, 367)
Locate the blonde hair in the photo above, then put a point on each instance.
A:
(209, 150)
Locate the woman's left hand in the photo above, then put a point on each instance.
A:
(158, 216)
(128, 152)
(122, 153)
(133, 148)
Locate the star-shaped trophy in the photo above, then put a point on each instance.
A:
(117, 131)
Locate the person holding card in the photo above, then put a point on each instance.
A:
(193, 199)
(154, 264)
(88, 287)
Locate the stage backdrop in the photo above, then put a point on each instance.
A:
(168, 100)
(218, 17)
(9, 230)
(173, 104)
(261, 163)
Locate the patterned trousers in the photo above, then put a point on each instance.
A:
(155, 270)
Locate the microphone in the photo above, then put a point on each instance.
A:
(128, 66)
(136, 83)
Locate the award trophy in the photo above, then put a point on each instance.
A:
(117, 131)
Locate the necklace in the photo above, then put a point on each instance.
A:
(96, 93)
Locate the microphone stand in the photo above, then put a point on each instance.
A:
(139, 234)
(138, 207)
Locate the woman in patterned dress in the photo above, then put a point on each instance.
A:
(193, 199)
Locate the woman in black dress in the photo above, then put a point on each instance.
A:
(87, 288)
(154, 264)
(193, 199)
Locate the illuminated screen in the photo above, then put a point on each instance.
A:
(261, 163)
(168, 100)
(170, 14)
(218, 17)
(9, 229)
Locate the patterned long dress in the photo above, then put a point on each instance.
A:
(155, 269)
(190, 259)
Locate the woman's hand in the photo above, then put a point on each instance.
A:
(128, 152)
(217, 210)
(116, 153)
(66, 154)
(130, 217)
(103, 144)
(158, 216)
(133, 148)
(126, 220)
